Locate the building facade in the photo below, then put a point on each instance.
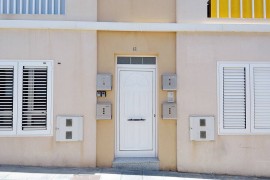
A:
(161, 66)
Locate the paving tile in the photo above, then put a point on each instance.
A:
(85, 176)
(187, 175)
(110, 176)
(62, 176)
(18, 175)
(37, 176)
(177, 178)
(131, 177)
(153, 177)
(48, 176)
(3, 174)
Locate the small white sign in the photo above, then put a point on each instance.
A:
(170, 96)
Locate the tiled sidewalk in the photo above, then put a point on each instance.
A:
(26, 172)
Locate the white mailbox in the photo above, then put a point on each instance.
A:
(202, 128)
(104, 82)
(69, 128)
(104, 111)
(169, 82)
(169, 111)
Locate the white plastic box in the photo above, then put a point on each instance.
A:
(169, 111)
(69, 128)
(202, 128)
(104, 111)
(104, 82)
(169, 82)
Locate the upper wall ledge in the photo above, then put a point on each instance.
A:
(207, 26)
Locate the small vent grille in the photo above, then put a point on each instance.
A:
(6, 98)
(55, 7)
(34, 110)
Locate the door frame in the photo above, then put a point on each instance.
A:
(117, 98)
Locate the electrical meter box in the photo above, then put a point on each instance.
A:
(104, 82)
(169, 82)
(104, 111)
(169, 111)
(202, 128)
(69, 128)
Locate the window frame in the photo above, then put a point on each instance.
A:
(250, 120)
(17, 98)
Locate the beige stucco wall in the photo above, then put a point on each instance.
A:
(191, 10)
(197, 56)
(162, 45)
(74, 93)
(137, 10)
(78, 10)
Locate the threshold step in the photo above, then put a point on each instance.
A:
(136, 163)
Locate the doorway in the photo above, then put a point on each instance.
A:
(136, 108)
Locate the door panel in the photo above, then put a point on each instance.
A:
(136, 113)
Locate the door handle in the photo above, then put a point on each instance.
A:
(136, 119)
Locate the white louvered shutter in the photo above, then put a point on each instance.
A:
(234, 104)
(260, 95)
(55, 7)
(35, 100)
(8, 111)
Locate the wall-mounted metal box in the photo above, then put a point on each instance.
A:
(69, 128)
(104, 82)
(104, 111)
(202, 128)
(169, 82)
(169, 111)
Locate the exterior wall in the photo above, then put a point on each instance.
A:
(191, 10)
(79, 10)
(197, 56)
(74, 93)
(137, 10)
(162, 45)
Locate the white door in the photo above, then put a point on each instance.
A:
(136, 133)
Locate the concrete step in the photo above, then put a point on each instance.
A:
(136, 163)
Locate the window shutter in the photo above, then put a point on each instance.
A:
(34, 110)
(8, 95)
(55, 7)
(35, 99)
(260, 88)
(6, 98)
(233, 99)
